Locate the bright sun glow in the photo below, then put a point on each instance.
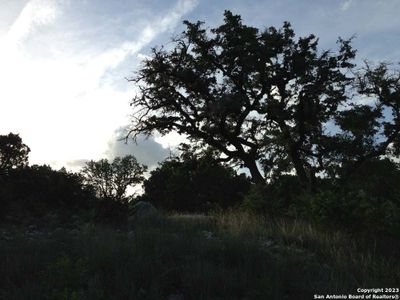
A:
(63, 63)
(64, 106)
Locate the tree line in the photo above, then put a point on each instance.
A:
(189, 182)
(319, 135)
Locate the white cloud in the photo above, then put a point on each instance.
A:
(61, 105)
(171, 140)
(345, 5)
(146, 150)
(35, 13)
(113, 57)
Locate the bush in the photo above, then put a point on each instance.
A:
(109, 211)
(368, 200)
(193, 183)
(35, 191)
(275, 198)
(356, 210)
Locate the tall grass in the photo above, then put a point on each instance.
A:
(229, 255)
(344, 252)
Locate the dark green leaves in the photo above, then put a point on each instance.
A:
(263, 95)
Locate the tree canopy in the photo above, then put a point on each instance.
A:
(194, 182)
(111, 180)
(269, 101)
(13, 152)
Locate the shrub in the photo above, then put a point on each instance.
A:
(194, 183)
(275, 198)
(356, 210)
(109, 211)
(35, 191)
(368, 200)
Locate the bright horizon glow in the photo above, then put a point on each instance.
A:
(66, 107)
(63, 63)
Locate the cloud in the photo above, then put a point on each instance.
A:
(76, 164)
(113, 57)
(67, 104)
(35, 13)
(345, 5)
(146, 150)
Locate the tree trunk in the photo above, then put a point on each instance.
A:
(305, 180)
(256, 176)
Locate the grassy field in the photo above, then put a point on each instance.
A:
(224, 256)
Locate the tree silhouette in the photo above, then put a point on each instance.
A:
(268, 101)
(34, 191)
(194, 182)
(13, 153)
(111, 180)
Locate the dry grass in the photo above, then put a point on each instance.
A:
(231, 255)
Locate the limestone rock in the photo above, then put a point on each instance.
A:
(142, 209)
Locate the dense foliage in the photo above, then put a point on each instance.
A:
(112, 179)
(319, 135)
(368, 201)
(265, 96)
(32, 193)
(194, 182)
(35, 191)
(13, 153)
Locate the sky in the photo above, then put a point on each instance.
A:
(64, 64)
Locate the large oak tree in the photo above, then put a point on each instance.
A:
(269, 101)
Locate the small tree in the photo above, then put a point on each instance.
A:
(111, 180)
(13, 153)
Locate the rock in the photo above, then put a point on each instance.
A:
(144, 209)
(208, 234)
(175, 297)
(74, 232)
(32, 227)
(267, 243)
(5, 236)
(131, 235)
(143, 212)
